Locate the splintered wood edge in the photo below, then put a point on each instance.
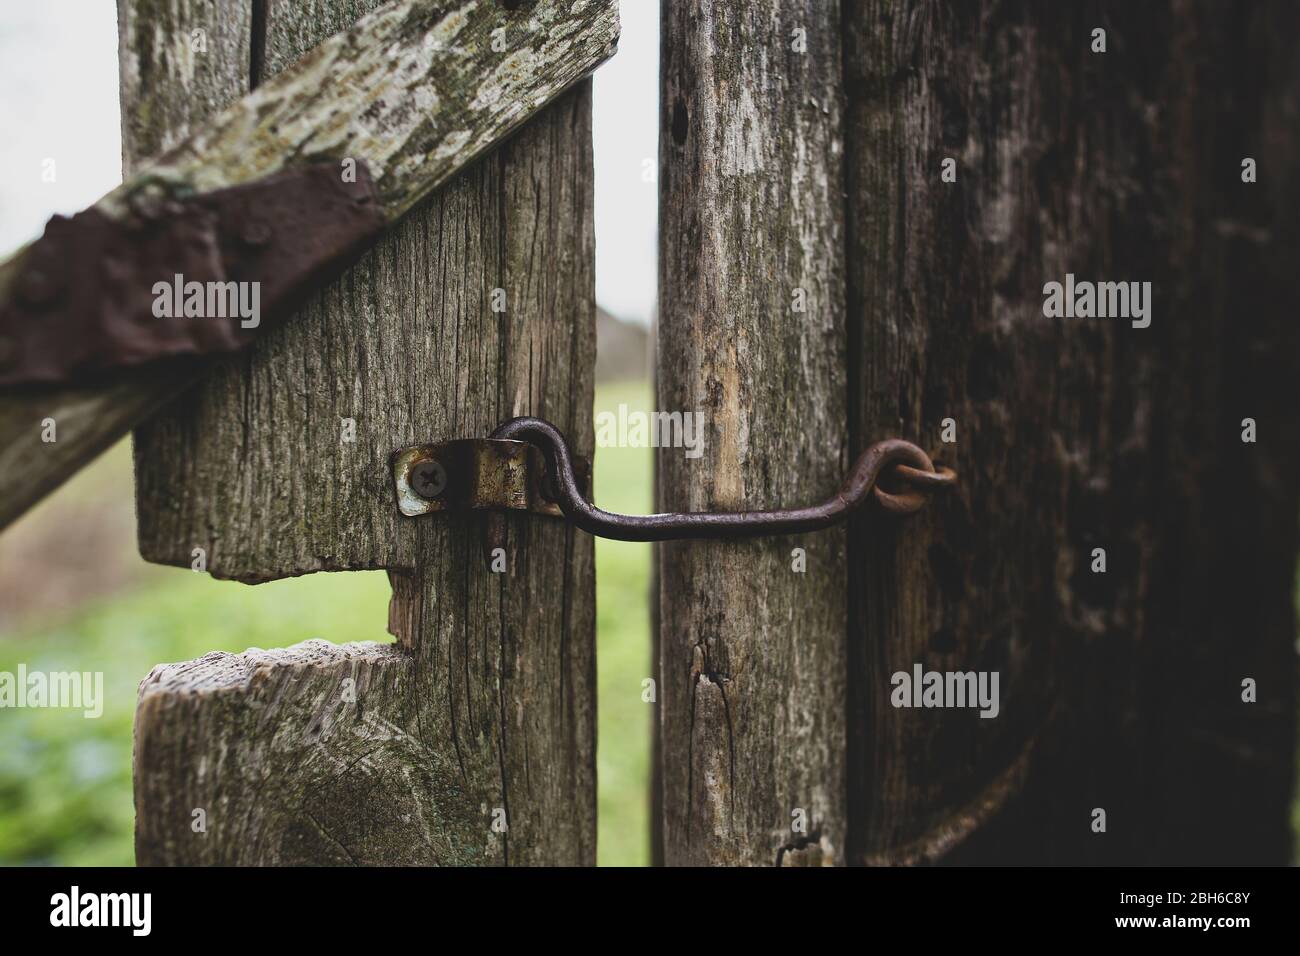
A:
(221, 671)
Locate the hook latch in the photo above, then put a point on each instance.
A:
(526, 464)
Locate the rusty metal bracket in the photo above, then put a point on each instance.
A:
(477, 473)
(84, 300)
(526, 464)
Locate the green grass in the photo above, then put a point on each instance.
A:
(65, 781)
(622, 479)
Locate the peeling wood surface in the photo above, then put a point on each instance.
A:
(1077, 433)
(485, 709)
(752, 652)
(435, 84)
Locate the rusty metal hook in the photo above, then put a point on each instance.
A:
(907, 465)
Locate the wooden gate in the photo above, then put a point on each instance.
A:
(862, 204)
(863, 207)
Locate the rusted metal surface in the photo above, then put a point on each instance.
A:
(89, 291)
(479, 473)
(502, 472)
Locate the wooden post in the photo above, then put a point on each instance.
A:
(1120, 690)
(472, 740)
(751, 337)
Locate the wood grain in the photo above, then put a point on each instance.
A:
(1121, 690)
(179, 61)
(486, 704)
(752, 652)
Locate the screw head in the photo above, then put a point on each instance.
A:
(429, 479)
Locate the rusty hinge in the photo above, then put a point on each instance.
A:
(87, 298)
(526, 464)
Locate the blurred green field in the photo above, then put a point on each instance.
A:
(65, 781)
(622, 479)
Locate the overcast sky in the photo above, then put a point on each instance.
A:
(58, 100)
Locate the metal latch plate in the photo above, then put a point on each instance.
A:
(478, 473)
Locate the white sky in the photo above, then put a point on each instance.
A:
(625, 124)
(58, 100)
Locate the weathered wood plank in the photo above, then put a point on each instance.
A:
(927, 260)
(434, 84)
(487, 702)
(752, 652)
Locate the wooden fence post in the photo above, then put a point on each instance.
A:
(1120, 689)
(473, 739)
(751, 337)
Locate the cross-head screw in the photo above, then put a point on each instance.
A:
(429, 479)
